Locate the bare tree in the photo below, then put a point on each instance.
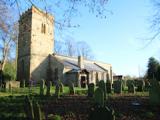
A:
(70, 47)
(84, 50)
(59, 47)
(3, 16)
(65, 9)
(8, 34)
(155, 24)
(68, 9)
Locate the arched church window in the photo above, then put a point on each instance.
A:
(43, 28)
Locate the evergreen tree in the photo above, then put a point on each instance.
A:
(153, 65)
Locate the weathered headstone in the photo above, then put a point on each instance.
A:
(117, 86)
(154, 92)
(61, 87)
(71, 88)
(99, 97)
(22, 83)
(147, 85)
(123, 85)
(48, 88)
(57, 91)
(91, 90)
(37, 111)
(42, 86)
(140, 86)
(102, 85)
(108, 87)
(29, 108)
(131, 88)
(10, 87)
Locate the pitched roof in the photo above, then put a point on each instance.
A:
(72, 62)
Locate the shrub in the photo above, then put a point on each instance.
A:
(9, 71)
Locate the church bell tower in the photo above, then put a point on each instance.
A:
(35, 43)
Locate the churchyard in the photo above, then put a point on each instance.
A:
(121, 101)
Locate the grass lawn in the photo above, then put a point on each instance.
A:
(12, 103)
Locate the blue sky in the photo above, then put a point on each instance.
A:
(119, 39)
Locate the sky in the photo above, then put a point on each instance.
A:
(121, 39)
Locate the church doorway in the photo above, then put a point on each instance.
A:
(83, 81)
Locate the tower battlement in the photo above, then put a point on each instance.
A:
(34, 9)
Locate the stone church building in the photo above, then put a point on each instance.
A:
(36, 59)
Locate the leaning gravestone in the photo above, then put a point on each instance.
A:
(100, 111)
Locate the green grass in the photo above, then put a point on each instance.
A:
(30, 91)
(12, 103)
